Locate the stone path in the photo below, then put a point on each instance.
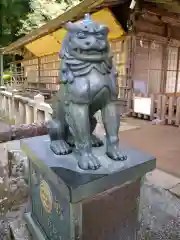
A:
(124, 127)
(165, 181)
(158, 140)
(128, 126)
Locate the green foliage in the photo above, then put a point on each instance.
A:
(19, 17)
(11, 11)
(44, 10)
(7, 76)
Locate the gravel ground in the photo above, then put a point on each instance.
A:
(159, 214)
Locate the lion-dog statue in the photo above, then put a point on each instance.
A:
(88, 84)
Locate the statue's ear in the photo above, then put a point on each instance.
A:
(104, 29)
(69, 26)
(64, 46)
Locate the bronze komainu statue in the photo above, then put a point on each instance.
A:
(88, 84)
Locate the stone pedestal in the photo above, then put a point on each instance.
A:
(70, 203)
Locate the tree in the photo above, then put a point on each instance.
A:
(43, 11)
(11, 11)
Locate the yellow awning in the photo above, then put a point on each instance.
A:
(50, 44)
(44, 46)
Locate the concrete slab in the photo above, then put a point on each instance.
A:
(158, 140)
(162, 179)
(175, 190)
(123, 127)
(127, 126)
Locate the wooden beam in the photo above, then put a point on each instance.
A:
(74, 14)
(152, 36)
(149, 7)
(146, 26)
(166, 30)
(171, 20)
(163, 38)
(51, 26)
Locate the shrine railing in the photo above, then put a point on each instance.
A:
(24, 110)
(163, 107)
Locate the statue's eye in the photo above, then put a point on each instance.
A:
(100, 35)
(81, 35)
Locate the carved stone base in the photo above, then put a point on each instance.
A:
(69, 203)
(112, 214)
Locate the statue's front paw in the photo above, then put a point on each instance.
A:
(88, 161)
(60, 147)
(95, 141)
(115, 153)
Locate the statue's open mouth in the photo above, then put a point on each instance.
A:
(91, 52)
(96, 55)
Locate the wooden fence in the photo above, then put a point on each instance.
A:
(160, 106)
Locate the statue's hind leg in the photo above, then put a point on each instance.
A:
(111, 120)
(56, 131)
(77, 117)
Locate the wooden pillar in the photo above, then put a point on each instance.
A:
(131, 56)
(149, 66)
(164, 69)
(177, 71)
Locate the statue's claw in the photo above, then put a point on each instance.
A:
(88, 161)
(115, 153)
(95, 141)
(60, 147)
